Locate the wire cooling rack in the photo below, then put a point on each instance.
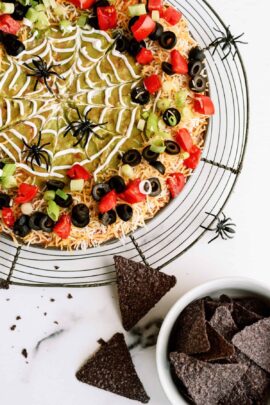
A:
(177, 227)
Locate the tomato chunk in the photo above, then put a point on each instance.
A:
(108, 202)
(83, 4)
(8, 24)
(152, 83)
(78, 172)
(194, 157)
(179, 63)
(132, 194)
(175, 183)
(171, 15)
(8, 217)
(26, 193)
(204, 105)
(144, 57)
(143, 27)
(107, 17)
(184, 140)
(63, 226)
(154, 5)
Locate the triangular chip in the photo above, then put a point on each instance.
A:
(190, 330)
(111, 369)
(243, 317)
(222, 321)
(254, 304)
(254, 342)
(206, 383)
(220, 348)
(139, 289)
(212, 304)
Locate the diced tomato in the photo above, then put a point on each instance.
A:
(175, 183)
(83, 4)
(194, 157)
(184, 140)
(154, 5)
(107, 17)
(152, 83)
(63, 226)
(78, 172)
(108, 202)
(204, 105)
(179, 63)
(171, 15)
(144, 57)
(8, 217)
(8, 24)
(143, 27)
(132, 194)
(26, 193)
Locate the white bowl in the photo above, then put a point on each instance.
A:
(233, 287)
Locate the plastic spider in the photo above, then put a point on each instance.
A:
(223, 228)
(42, 71)
(227, 40)
(146, 336)
(83, 128)
(36, 153)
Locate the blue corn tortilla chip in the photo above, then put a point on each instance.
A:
(111, 369)
(254, 304)
(244, 317)
(206, 383)
(223, 323)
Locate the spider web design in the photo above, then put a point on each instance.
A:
(94, 76)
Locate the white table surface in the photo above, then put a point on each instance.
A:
(48, 377)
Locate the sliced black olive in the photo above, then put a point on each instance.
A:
(117, 183)
(46, 223)
(167, 40)
(80, 224)
(55, 185)
(99, 190)
(135, 47)
(149, 155)
(12, 45)
(80, 212)
(21, 226)
(196, 54)
(156, 186)
(195, 67)
(171, 117)
(158, 166)
(172, 148)
(93, 22)
(140, 95)
(197, 84)
(108, 218)
(132, 157)
(2, 165)
(4, 200)
(122, 43)
(20, 11)
(157, 33)
(34, 220)
(100, 3)
(167, 68)
(132, 21)
(63, 203)
(124, 211)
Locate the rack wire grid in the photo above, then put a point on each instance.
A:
(177, 227)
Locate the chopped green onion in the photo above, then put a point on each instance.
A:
(82, 20)
(53, 210)
(59, 10)
(40, 7)
(163, 104)
(141, 125)
(49, 195)
(76, 185)
(7, 8)
(145, 115)
(152, 125)
(49, 3)
(8, 182)
(137, 9)
(65, 26)
(180, 98)
(157, 145)
(42, 21)
(155, 15)
(32, 15)
(187, 113)
(61, 194)
(127, 171)
(9, 169)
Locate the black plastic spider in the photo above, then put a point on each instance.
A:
(83, 128)
(146, 336)
(42, 71)
(223, 228)
(36, 153)
(227, 40)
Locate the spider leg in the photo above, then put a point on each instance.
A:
(79, 114)
(32, 162)
(87, 112)
(212, 240)
(222, 234)
(207, 229)
(39, 139)
(217, 30)
(29, 67)
(56, 74)
(238, 36)
(228, 53)
(35, 87)
(212, 215)
(45, 156)
(47, 85)
(228, 236)
(45, 144)
(240, 42)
